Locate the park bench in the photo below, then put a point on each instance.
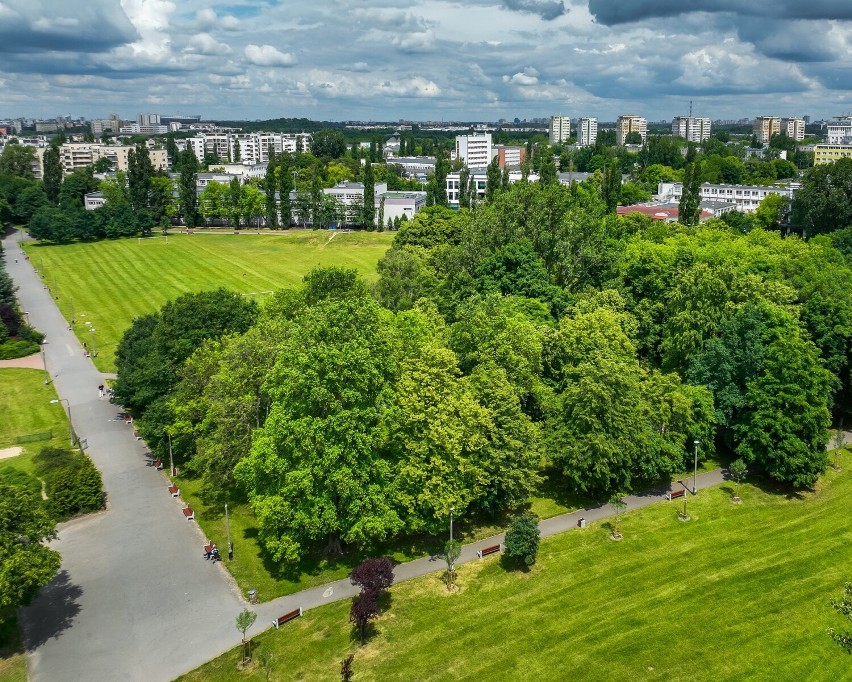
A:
(209, 547)
(158, 464)
(488, 551)
(295, 613)
(674, 494)
(174, 490)
(137, 435)
(188, 513)
(125, 417)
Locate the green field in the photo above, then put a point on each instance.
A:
(25, 408)
(111, 282)
(739, 592)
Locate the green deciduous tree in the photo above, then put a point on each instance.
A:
(187, 187)
(522, 538)
(843, 606)
(52, 174)
(18, 160)
(824, 202)
(689, 207)
(26, 563)
(369, 196)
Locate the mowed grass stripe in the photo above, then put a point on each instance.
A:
(739, 592)
(114, 281)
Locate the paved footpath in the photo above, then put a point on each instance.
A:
(134, 599)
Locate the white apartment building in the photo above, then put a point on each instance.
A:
(746, 197)
(475, 150)
(560, 129)
(839, 130)
(479, 178)
(142, 129)
(587, 132)
(77, 155)
(764, 127)
(511, 157)
(629, 123)
(793, 127)
(101, 125)
(398, 204)
(691, 128)
(254, 147)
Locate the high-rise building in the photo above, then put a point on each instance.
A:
(629, 123)
(148, 119)
(474, 150)
(839, 130)
(691, 128)
(793, 127)
(560, 129)
(765, 127)
(587, 132)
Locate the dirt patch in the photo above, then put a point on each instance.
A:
(30, 362)
(10, 452)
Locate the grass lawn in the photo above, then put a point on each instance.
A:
(111, 282)
(25, 408)
(739, 592)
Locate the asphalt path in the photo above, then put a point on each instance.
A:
(134, 599)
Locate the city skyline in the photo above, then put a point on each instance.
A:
(432, 60)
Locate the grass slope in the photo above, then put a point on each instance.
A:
(111, 282)
(739, 592)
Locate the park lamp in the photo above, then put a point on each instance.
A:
(695, 468)
(71, 435)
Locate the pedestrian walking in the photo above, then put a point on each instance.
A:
(101, 391)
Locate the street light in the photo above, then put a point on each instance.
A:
(44, 364)
(695, 469)
(71, 435)
(453, 564)
(228, 529)
(94, 350)
(27, 315)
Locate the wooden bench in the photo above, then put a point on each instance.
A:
(189, 514)
(126, 418)
(209, 547)
(674, 494)
(137, 435)
(174, 490)
(295, 613)
(158, 464)
(488, 551)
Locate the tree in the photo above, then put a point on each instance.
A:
(689, 207)
(365, 607)
(738, 472)
(140, 170)
(436, 188)
(770, 212)
(786, 420)
(346, 668)
(237, 152)
(451, 554)
(373, 575)
(838, 440)
(464, 188)
(522, 538)
(251, 204)
(18, 160)
(369, 196)
(187, 187)
(633, 137)
(245, 620)
(171, 151)
(233, 200)
(824, 202)
(618, 507)
(52, 176)
(285, 186)
(492, 179)
(611, 185)
(26, 563)
(843, 606)
(327, 143)
(270, 188)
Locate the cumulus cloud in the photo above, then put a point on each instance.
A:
(529, 76)
(267, 55)
(40, 26)
(204, 43)
(546, 9)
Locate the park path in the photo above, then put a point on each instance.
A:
(29, 362)
(134, 599)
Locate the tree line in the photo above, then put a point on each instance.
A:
(536, 335)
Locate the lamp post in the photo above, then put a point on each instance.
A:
(71, 323)
(94, 351)
(228, 530)
(695, 468)
(171, 459)
(453, 564)
(71, 435)
(27, 315)
(44, 364)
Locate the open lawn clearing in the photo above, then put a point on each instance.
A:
(739, 592)
(111, 282)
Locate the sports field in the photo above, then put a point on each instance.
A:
(108, 283)
(739, 592)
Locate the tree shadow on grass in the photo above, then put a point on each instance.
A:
(53, 611)
(513, 564)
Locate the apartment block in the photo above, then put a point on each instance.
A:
(78, 155)
(764, 127)
(839, 130)
(511, 157)
(746, 198)
(829, 153)
(560, 129)
(587, 132)
(474, 150)
(794, 128)
(691, 128)
(629, 123)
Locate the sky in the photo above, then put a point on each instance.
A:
(426, 59)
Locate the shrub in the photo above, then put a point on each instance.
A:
(522, 538)
(72, 482)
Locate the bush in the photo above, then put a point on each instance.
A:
(17, 348)
(522, 538)
(72, 483)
